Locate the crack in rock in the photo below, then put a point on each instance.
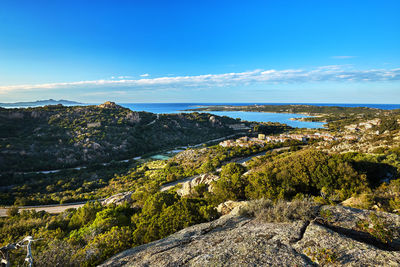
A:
(360, 236)
(301, 234)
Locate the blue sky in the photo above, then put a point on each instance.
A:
(200, 51)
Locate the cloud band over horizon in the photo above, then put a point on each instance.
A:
(320, 74)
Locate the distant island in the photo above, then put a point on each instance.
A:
(39, 103)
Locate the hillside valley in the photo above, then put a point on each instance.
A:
(270, 196)
(53, 137)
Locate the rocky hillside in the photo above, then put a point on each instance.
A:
(57, 136)
(334, 236)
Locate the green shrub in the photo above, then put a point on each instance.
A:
(104, 246)
(58, 253)
(281, 211)
(84, 215)
(165, 213)
(377, 227)
(13, 211)
(309, 172)
(322, 256)
(326, 215)
(231, 185)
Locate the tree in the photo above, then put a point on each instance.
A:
(13, 211)
(231, 185)
(84, 215)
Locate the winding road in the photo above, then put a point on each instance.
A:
(58, 208)
(168, 186)
(126, 160)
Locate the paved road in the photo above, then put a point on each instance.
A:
(168, 186)
(158, 116)
(242, 161)
(58, 208)
(48, 208)
(126, 160)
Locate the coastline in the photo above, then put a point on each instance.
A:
(302, 119)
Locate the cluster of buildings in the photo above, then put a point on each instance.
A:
(363, 125)
(300, 137)
(243, 142)
(262, 139)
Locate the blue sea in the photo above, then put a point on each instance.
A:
(248, 116)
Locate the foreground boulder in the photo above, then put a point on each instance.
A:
(227, 241)
(232, 207)
(332, 239)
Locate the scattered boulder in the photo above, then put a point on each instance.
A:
(36, 114)
(214, 121)
(188, 187)
(133, 117)
(94, 124)
(96, 146)
(119, 199)
(15, 115)
(231, 207)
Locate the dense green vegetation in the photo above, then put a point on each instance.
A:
(192, 162)
(269, 128)
(330, 178)
(53, 137)
(291, 175)
(98, 181)
(62, 187)
(303, 174)
(93, 233)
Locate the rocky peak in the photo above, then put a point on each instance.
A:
(109, 104)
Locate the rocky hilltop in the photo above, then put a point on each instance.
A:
(331, 238)
(109, 104)
(54, 137)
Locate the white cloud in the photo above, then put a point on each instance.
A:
(320, 74)
(145, 75)
(103, 93)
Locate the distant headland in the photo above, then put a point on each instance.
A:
(39, 103)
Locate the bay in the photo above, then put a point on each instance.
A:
(168, 108)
